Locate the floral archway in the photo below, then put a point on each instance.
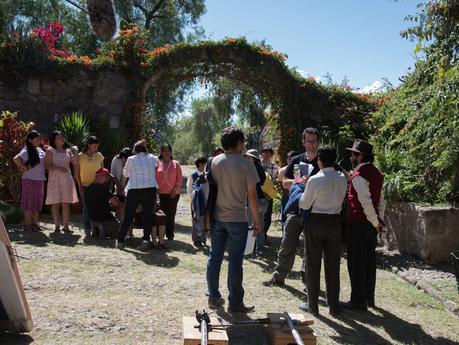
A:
(295, 101)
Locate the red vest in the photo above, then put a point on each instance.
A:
(354, 209)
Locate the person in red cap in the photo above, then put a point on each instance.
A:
(365, 213)
(98, 198)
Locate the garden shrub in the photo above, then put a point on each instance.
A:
(417, 138)
(12, 138)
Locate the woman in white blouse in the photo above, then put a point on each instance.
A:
(140, 169)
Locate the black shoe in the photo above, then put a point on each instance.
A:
(305, 307)
(354, 306)
(215, 303)
(198, 244)
(240, 308)
(274, 281)
(371, 304)
(335, 310)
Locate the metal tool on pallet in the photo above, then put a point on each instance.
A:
(291, 325)
(204, 325)
(200, 317)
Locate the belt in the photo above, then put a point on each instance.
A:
(325, 215)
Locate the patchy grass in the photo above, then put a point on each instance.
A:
(90, 293)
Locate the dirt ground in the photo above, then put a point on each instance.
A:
(89, 293)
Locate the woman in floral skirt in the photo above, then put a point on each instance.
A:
(61, 190)
(31, 162)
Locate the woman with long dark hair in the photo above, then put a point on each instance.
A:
(90, 160)
(169, 177)
(31, 162)
(61, 191)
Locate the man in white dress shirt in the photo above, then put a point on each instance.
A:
(323, 197)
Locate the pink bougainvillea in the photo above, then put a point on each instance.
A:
(50, 35)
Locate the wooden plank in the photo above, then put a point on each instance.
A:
(11, 290)
(192, 335)
(281, 335)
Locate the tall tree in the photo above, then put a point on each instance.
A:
(165, 20)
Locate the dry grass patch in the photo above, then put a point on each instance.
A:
(90, 293)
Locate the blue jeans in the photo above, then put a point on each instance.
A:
(233, 237)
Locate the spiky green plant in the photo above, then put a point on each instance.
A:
(75, 128)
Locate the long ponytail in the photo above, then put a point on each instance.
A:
(32, 152)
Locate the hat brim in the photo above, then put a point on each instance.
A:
(250, 155)
(357, 151)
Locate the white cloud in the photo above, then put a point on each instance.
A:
(372, 88)
(302, 72)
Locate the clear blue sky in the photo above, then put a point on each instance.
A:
(355, 38)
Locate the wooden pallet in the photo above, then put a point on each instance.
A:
(192, 335)
(281, 335)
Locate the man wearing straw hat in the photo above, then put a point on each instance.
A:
(365, 213)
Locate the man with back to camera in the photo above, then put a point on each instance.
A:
(323, 197)
(234, 180)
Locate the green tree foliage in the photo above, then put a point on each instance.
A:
(417, 129)
(436, 31)
(26, 14)
(184, 141)
(165, 20)
(206, 123)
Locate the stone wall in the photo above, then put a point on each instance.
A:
(42, 100)
(430, 233)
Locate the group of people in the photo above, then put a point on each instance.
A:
(139, 184)
(231, 194)
(314, 190)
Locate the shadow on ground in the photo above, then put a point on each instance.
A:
(15, 339)
(354, 330)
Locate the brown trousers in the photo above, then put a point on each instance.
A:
(323, 235)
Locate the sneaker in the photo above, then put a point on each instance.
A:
(274, 281)
(240, 308)
(67, 231)
(215, 303)
(57, 230)
(119, 245)
(305, 307)
(198, 244)
(145, 245)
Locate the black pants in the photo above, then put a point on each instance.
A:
(169, 206)
(135, 197)
(268, 216)
(323, 235)
(361, 262)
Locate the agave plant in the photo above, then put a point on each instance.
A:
(112, 140)
(75, 128)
